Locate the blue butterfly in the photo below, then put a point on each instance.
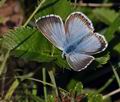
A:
(76, 38)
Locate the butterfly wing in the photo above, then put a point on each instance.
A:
(77, 25)
(52, 28)
(79, 29)
(78, 61)
(92, 44)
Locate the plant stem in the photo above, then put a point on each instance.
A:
(111, 93)
(75, 2)
(95, 4)
(116, 75)
(11, 89)
(50, 72)
(4, 62)
(53, 50)
(106, 84)
(3, 81)
(44, 85)
(35, 11)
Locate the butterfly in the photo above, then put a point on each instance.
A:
(75, 38)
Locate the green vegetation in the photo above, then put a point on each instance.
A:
(27, 44)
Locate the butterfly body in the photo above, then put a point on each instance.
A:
(76, 38)
(71, 46)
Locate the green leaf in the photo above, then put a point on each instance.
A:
(105, 15)
(104, 59)
(28, 43)
(75, 86)
(117, 48)
(58, 8)
(93, 96)
(51, 98)
(61, 62)
(55, 7)
(109, 33)
(78, 87)
(46, 8)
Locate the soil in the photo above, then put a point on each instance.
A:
(11, 15)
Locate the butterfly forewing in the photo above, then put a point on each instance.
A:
(53, 29)
(77, 25)
(92, 44)
(80, 33)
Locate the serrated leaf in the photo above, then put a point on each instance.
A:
(16, 38)
(28, 43)
(105, 15)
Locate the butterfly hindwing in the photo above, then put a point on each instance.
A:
(52, 28)
(79, 61)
